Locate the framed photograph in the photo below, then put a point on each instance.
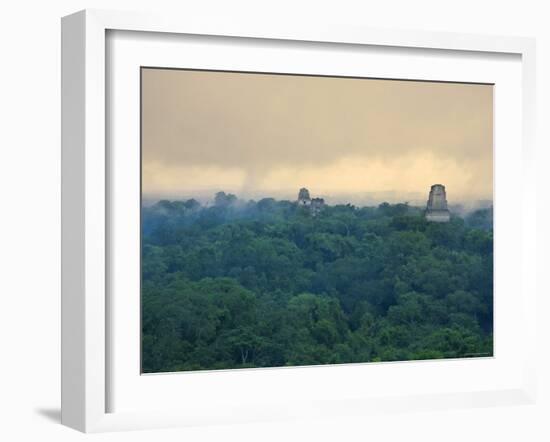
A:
(263, 222)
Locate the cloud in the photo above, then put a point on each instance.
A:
(258, 131)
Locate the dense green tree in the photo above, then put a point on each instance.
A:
(258, 284)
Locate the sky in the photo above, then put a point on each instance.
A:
(346, 139)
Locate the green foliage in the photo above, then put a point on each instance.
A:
(244, 284)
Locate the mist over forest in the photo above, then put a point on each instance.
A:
(462, 206)
(234, 283)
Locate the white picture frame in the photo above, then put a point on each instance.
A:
(86, 204)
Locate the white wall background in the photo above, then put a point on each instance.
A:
(30, 215)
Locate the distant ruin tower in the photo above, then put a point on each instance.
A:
(303, 197)
(317, 204)
(436, 209)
